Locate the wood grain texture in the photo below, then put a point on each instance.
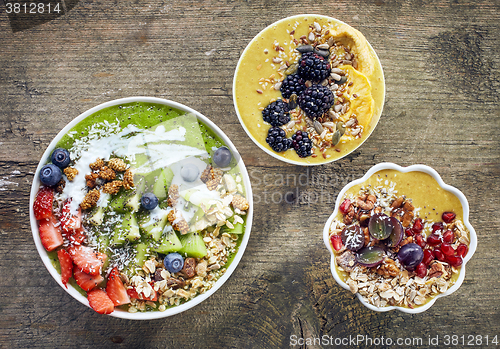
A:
(442, 72)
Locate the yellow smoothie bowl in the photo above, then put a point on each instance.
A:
(356, 83)
(405, 290)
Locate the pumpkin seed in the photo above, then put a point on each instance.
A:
(292, 102)
(336, 137)
(292, 69)
(343, 80)
(340, 128)
(305, 48)
(318, 127)
(322, 53)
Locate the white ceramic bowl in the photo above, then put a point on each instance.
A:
(373, 123)
(153, 314)
(453, 190)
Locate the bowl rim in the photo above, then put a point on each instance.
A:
(442, 184)
(118, 313)
(249, 134)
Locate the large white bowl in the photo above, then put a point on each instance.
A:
(237, 71)
(152, 314)
(453, 190)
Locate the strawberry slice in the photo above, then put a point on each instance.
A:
(132, 293)
(100, 302)
(87, 259)
(115, 289)
(66, 266)
(42, 207)
(50, 233)
(70, 222)
(86, 281)
(77, 237)
(336, 241)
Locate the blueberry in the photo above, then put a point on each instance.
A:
(222, 157)
(50, 175)
(149, 201)
(60, 157)
(173, 262)
(190, 172)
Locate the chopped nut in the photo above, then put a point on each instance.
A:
(398, 202)
(175, 283)
(90, 199)
(128, 179)
(112, 187)
(70, 173)
(97, 165)
(189, 267)
(201, 268)
(60, 186)
(347, 261)
(117, 164)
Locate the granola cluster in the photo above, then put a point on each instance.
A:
(103, 176)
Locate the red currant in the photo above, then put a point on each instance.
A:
(455, 261)
(433, 240)
(448, 237)
(421, 270)
(448, 217)
(447, 249)
(336, 242)
(418, 226)
(439, 254)
(428, 257)
(462, 250)
(420, 240)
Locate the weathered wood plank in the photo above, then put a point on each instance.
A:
(442, 109)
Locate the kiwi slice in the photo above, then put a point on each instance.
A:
(169, 241)
(152, 226)
(238, 229)
(193, 245)
(128, 230)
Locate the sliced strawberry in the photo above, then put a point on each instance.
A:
(132, 293)
(86, 281)
(50, 233)
(100, 302)
(115, 289)
(66, 266)
(87, 259)
(42, 207)
(70, 222)
(77, 237)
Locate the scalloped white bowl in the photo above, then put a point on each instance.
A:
(453, 190)
(152, 314)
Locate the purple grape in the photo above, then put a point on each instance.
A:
(411, 255)
(222, 157)
(396, 234)
(370, 256)
(380, 226)
(353, 237)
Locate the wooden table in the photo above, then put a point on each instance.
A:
(442, 73)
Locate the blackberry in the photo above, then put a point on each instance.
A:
(302, 144)
(276, 138)
(292, 84)
(313, 67)
(276, 113)
(316, 100)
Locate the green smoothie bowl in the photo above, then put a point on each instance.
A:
(141, 208)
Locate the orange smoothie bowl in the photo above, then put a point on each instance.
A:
(309, 89)
(400, 238)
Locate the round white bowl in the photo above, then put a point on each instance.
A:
(453, 190)
(272, 153)
(152, 314)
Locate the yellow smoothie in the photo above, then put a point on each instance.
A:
(264, 63)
